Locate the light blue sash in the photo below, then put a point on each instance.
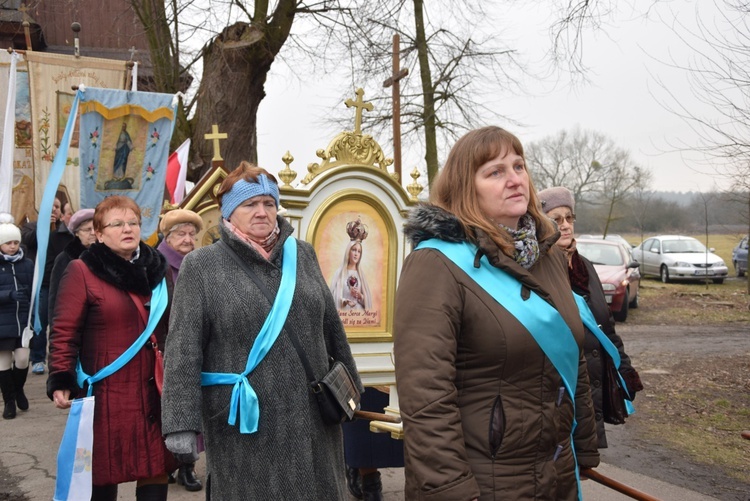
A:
(159, 300)
(542, 320)
(244, 399)
(590, 322)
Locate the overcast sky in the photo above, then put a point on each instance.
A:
(622, 99)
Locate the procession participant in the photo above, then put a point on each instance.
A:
(180, 228)
(559, 205)
(264, 435)
(16, 275)
(488, 398)
(101, 311)
(81, 224)
(59, 237)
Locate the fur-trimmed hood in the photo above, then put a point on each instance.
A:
(428, 221)
(140, 276)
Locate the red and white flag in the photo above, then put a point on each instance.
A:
(177, 172)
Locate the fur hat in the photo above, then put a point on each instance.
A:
(9, 232)
(80, 217)
(179, 216)
(559, 196)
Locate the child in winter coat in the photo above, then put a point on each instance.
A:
(16, 274)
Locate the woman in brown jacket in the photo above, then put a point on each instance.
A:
(486, 413)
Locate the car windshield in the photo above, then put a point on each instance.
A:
(608, 255)
(674, 246)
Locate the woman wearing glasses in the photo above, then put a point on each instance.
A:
(81, 224)
(102, 309)
(559, 205)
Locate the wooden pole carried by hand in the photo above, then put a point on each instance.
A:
(617, 486)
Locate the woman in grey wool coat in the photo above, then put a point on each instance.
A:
(274, 447)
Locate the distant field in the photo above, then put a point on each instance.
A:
(723, 243)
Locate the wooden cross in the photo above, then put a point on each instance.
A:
(26, 30)
(360, 105)
(216, 136)
(393, 81)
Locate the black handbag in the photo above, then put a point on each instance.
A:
(613, 394)
(336, 393)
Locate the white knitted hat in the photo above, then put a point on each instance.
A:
(9, 232)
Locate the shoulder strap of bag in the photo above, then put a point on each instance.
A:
(159, 302)
(292, 336)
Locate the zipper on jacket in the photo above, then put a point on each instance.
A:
(497, 426)
(18, 303)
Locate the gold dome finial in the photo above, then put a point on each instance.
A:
(414, 188)
(287, 174)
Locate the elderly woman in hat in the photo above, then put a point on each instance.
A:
(180, 228)
(559, 205)
(232, 369)
(81, 224)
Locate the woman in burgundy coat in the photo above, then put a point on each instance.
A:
(96, 319)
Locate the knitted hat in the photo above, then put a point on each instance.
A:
(179, 216)
(244, 190)
(80, 217)
(559, 196)
(9, 232)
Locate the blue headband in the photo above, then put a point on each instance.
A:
(243, 190)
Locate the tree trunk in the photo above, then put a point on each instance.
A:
(428, 113)
(235, 66)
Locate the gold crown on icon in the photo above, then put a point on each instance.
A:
(356, 230)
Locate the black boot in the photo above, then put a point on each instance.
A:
(19, 380)
(372, 487)
(353, 482)
(151, 492)
(186, 476)
(104, 492)
(9, 393)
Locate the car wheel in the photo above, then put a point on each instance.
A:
(718, 280)
(664, 274)
(622, 315)
(634, 302)
(740, 271)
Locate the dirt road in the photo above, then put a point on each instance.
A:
(656, 351)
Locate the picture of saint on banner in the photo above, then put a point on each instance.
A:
(121, 161)
(352, 259)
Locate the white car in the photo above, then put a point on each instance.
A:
(673, 257)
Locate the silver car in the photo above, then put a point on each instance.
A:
(673, 257)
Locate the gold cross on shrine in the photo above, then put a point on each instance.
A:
(216, 136)
(360, 105)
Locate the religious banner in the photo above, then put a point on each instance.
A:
(51, 81)
(22, 178)
(124, 148)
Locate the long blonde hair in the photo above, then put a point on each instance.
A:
(454, 190)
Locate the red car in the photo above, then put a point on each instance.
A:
(618, 272)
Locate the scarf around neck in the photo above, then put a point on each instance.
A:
(174, 258)
(265, 246)
(524, 241)
(15, 257)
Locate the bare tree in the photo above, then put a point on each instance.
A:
(719, 72)
(578, 159)
(457, 63)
